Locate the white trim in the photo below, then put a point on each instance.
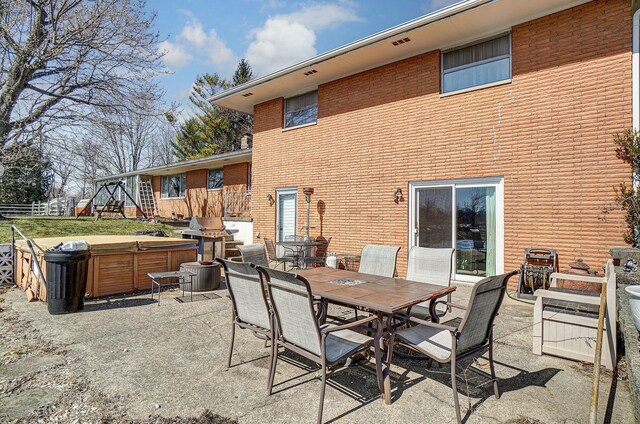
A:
(280, 192)
(497, 182)
(308, 124)
(475, 88)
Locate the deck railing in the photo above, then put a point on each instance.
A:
(237, 202)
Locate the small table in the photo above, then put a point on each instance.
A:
(158, 277)
(300, 246)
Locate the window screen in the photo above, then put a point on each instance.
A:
(475, 65)
(215, 179)
(301, 110)
(174, 186)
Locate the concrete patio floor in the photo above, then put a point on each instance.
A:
(170, 359)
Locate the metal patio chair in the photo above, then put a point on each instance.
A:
(299, 331)
(255, 254)
(320, 255)
(273, 257)
(432, 266)
(448, 344)
(379, 260)
(250, 307)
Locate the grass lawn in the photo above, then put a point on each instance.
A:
(69, 226)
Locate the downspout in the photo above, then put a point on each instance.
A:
(635, 71)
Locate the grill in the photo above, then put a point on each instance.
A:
(206, 229)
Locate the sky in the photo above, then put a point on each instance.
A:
(203, 36)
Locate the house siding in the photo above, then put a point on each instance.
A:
(198, 200)
(548, 133)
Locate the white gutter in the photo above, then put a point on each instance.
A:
(190, 162)
(444, 13)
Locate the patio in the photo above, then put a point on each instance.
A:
(174, 356)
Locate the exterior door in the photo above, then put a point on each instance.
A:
(286, 214)
(465, 214)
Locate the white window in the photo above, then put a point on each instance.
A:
(173, 186)
(479, 64)
(467, 215)
(215, 179)
(301, 110)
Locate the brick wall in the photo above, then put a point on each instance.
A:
(548, 133)
(199, 201)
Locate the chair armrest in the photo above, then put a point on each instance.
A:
(455, 305)
(352, 324)
(434, 325)
(567, 297)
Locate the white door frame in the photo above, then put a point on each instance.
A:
(497, 182)
(280, 192)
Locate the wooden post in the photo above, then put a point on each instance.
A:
(595, 382)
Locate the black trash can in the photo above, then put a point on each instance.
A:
(66, 280)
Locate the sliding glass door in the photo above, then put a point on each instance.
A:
(465, 214)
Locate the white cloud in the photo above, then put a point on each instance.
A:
(195, 42)
(324, 16)
(287, 39)
(433, 5)
(174, 55)
(278, 44)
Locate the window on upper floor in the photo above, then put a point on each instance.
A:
(301, 110)
(215, 179)
(478, 64)
(173, 186)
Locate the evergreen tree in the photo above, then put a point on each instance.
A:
(214, 129)
(28, 174)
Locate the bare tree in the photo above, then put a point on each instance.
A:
(59, 56)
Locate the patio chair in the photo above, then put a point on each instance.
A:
(432, 266)
(298, 329)
(273, 257)
(565, 321)
(448, 344)
(255, 254)
(320, 255)
(379, 260)
(248, 299)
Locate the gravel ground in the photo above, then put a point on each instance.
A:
(40, 384)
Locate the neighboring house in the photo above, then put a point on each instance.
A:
(494, 119)
(213, 186)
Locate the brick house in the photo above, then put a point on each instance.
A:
(486, 126)
(213, 186)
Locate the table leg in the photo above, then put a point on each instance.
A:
(386, 377)
(200, 248)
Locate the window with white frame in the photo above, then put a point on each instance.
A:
(476, 65)
(215, 179)
(173, 186)
(301, 110)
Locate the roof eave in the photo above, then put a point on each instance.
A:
(150, 171)
(443, 13)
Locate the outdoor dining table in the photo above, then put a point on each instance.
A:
(301, 247)
(383, 296)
